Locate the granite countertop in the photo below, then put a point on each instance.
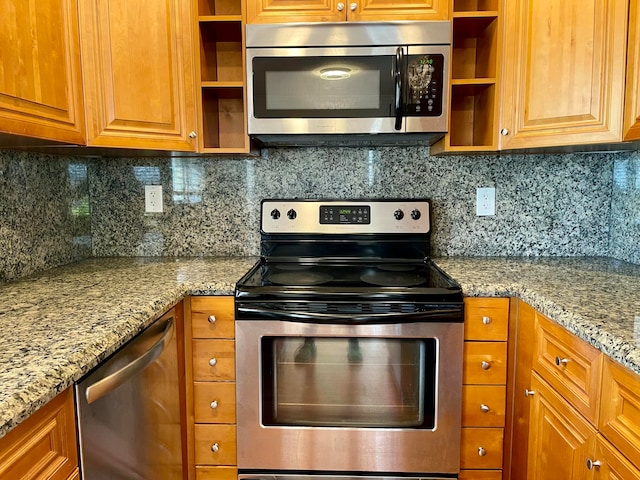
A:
(60, 324)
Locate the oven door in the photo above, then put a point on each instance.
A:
(351, 398)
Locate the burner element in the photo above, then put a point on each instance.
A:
(392, 279)
(300, 278)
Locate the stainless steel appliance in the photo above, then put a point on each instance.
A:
(335, 82)
(349, 343)
(129, 412)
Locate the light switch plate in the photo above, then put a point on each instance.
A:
(485, 201)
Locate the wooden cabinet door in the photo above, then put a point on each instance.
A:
(138, 73)
(609, 464)
(632, 95)
(390, 10)
(563, 72)
(40, 79)
(560, 439)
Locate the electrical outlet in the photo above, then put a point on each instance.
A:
(485, 201)
(153, 198)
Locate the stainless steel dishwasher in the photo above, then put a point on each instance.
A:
(129, 410)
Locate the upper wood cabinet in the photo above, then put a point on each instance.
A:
(284, 11)
(137, 62)
(40, 80)
(563, 72)
(632, 95)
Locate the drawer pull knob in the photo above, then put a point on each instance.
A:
(485, 365)
(212, 319)
(353, 7)
(562, 361)
(486, 320)
(529, 393)
(214, 404)
(484, 408)
(213, 362)
(504, 132)
(482, 452)
(340, 6)
(215, 448)
(193, 134)
(593, 464)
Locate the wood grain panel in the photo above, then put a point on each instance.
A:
(222, 308)
(224, 353)
(223, 393)
(224, 436)
(494, 353)
(486, 319)
(632, 94)
(474, 397)
(481, 448)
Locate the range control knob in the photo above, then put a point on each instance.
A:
(398, 214)
(292, 214)
(275, 214)
(415, 214)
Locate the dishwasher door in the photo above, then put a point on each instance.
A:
(129, 410)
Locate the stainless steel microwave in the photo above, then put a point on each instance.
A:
(339, 80)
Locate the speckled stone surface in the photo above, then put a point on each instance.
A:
(624, 235)
(58, 325)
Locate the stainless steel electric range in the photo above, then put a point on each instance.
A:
(348, 345)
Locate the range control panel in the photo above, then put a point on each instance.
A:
(345, 216)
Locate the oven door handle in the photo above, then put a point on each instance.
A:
(451, 314)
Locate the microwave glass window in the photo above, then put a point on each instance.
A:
(322, 87)
(343, 382)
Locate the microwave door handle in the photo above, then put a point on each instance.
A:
(399, 75)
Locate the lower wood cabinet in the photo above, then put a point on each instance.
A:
(43, 447)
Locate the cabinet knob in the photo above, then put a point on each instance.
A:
(591, 464)
(481, 452)
(562, 361)
(504, 132)
(485, 365)
(214, 405)
(215, 448)
(213, 362)
(529, 393)
(486, 320)
(193, 134)
(340, 6)
(353, 7)
(212, 319)
(484, 408)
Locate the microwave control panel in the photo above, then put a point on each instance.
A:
(425, 83)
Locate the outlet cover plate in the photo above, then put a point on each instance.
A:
(485, 201)
(153, 198)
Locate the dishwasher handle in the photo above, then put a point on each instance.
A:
(99, 389)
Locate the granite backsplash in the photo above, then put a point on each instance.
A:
(58, 210)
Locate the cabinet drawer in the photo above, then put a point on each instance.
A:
(216, 473)
(568, 364)
(481, 448)
(486, 319)
(214, 402)
(620, 409)
(484, 363)
(213, 360)
(483, 405)
(215, 437)
(44, 445)
(212, 317)
(480, 475)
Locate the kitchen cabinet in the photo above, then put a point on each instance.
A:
(476, 53)
(43, 447)
(284, 11)
(563, 68)
(632, 94)
(40, 78)
(220, 74)
(210, 378)
(484, 387)
(137, 63)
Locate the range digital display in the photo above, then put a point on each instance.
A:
(345, 215)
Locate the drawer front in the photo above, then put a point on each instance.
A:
(480, 475)
(486, 319)
(214, 402)
(215, 444)
(216, 473)
(485, 363)
(213, 360)
(481, 448)
(568, 364)
(483, 405)
(620, 409)
(212, 317)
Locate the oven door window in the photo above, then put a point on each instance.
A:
(349, 382)
(322, 87)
